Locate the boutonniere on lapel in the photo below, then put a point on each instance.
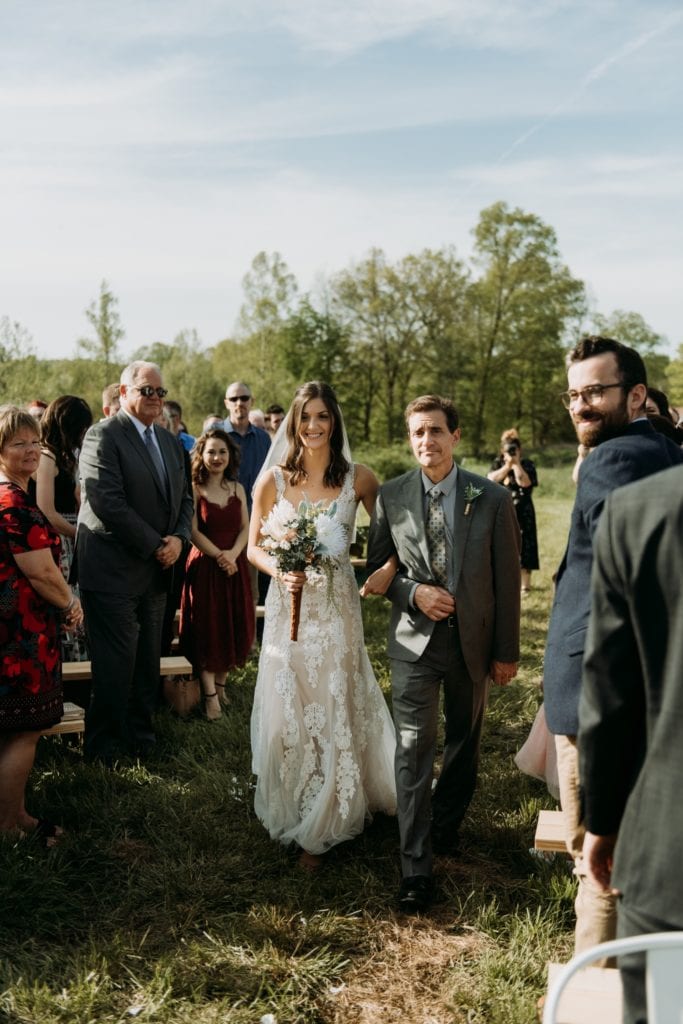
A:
(471, 495)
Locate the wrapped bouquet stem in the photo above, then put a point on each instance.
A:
(303, 539)
(295, 614)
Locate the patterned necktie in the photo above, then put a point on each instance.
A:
(155, 456)
(436, 537)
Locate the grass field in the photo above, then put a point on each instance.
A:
(168, 902)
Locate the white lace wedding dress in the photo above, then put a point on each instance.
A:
(322, 737)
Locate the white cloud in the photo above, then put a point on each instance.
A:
(646, 177)
(343, 28)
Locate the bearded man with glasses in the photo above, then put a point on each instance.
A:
(135, 516)
(606, 401)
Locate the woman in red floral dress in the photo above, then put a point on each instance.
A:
(33, 595)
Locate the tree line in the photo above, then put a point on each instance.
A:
(490, 331)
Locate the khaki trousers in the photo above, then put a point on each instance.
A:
(596, 910)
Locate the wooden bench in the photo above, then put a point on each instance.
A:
(550, 832)
(593, 996)
(73, 720)
(81, 671)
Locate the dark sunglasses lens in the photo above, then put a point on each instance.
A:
(148, 391)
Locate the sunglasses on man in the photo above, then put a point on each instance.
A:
(148, 391)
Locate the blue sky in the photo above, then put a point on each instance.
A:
(161, 145)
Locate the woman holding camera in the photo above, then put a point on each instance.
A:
(519, 475)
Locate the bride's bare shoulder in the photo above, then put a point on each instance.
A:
(365, 482)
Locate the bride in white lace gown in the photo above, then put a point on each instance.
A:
(322, 737)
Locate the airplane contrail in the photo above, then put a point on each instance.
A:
(596, 72)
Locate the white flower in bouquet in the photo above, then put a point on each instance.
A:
(331, 535)
(278, 526)
(308, 539)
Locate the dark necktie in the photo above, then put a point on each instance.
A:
(155, 456)
(436, 537)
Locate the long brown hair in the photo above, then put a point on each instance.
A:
(200, 473)
(63, 427)
(337, 467)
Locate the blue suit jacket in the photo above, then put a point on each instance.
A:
(638, 452)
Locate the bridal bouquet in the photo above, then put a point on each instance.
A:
(304, 539)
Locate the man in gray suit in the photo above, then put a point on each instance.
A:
(455, 621)
(630, 714)
(136, 512)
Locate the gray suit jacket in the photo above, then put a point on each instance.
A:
(631, 710)
(125, 511)
(486, 571)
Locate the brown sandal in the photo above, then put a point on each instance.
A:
(218, 712)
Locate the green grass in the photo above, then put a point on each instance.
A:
(168, 902)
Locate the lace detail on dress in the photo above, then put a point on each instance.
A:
(322, 737)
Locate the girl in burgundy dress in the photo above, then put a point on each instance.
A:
(216, 610)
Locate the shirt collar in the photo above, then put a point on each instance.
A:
(139, 425)
(229, 429)
(445, 486)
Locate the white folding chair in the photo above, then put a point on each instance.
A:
(663, 974)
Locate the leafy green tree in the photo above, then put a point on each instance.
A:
(520, 312)
(188, 374)
(16, 341)
(631, 329)
(103, 316)
(373, 301)
(436, 283)
(315, 346)
(17, 363)
(674, 379)
(269, 293)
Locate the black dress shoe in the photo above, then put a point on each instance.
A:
(415, 894)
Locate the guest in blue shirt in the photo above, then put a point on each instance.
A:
(254, 442)
(175, 415)
(254, 445)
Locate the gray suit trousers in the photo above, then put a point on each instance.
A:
(415, 698)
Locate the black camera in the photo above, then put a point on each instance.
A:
(511, 448)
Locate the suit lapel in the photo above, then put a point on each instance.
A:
(461, 524)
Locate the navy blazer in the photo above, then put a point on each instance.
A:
(125, 510)
(637, 453)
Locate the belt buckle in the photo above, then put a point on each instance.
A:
(451, 621)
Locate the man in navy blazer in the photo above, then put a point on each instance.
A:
(631, 756)
(606, 401)
(136, 513)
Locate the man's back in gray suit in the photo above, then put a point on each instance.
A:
(631, 756)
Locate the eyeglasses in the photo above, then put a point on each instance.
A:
(149, 392)
(238, 398)
(589, 395)
(24, 444)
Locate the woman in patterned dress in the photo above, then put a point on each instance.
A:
(33, 596)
